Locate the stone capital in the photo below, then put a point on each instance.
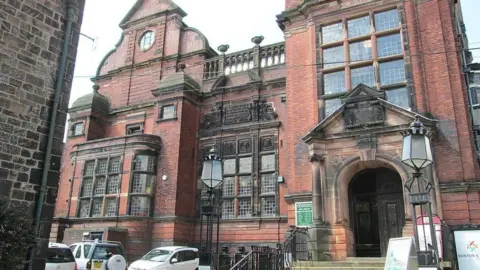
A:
(316, 158)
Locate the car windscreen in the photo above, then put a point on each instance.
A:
(157, 255)
(59, 255)
(101, 252)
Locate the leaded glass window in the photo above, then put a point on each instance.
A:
(363, 75)
(392, 72)
(334, 82)
(241, 165)
(386, 20)
(332, 33)
(361, 51)
(399, 97)
(380, 66)
(331, 105)
(389, 45)
(141, 184)
(268, 206)
(333, 57)
(359, 27)
(100, 187)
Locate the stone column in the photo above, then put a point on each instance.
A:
(320, 234)
(317, 189)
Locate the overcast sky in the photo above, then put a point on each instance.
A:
(232, 22)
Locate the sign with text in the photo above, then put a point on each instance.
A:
(401, 254)
(467, 244)
(304, 214)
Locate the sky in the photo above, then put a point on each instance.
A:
(232, 22)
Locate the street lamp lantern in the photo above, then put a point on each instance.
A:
(417, 153)
(212, 175)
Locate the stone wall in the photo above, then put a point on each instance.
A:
(31, 40)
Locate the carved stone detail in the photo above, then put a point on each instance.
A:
(363, 114)
(266, 144)
(368, 141)
(259, 110)
(229, 149)
(213, 119)
(245, 146)
(336, 161)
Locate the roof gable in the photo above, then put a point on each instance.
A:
(145, 8)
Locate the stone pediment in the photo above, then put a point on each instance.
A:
(365, 111)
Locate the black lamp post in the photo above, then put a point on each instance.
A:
(212, 177)
(417, 154)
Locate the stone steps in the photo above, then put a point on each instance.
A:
(348, 264)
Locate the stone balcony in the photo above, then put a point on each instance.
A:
(257, 58)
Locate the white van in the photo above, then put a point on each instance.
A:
(168, 258)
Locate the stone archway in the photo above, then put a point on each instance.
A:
(338, 198)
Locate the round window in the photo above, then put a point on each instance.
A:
(147, 40)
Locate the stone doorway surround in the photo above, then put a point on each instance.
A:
(364, 133)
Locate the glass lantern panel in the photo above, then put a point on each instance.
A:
(406, 147)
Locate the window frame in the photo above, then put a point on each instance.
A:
(73, 128)
(128, 127)
(161, 116)
(255, 196)
(373, 36)
(141, 42)
(104, 196)
(148, 174)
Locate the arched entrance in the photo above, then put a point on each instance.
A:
(377, 210)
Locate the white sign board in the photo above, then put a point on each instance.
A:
(401, 254)
(424, 235)
(467, 244)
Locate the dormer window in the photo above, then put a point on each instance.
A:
(77, 129)
(147, 40)
(134, 129)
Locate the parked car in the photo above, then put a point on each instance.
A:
(171, 258)
(91, 254)
(59, 257)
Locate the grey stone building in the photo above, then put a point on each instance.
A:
(38, 47)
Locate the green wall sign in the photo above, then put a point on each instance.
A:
(304, 214)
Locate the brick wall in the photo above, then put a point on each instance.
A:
(31, 39)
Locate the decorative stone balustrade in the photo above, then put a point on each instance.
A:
(257, 57)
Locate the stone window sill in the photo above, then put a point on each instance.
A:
(167, 120)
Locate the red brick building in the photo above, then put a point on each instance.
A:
(319, 114)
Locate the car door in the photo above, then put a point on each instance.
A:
(180, 264)
(190, 262)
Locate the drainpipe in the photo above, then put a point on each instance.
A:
(71, 10)
(72, 180)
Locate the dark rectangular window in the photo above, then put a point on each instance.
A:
(134, 129)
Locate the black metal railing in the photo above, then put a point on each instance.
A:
(295, 246)
(244, 262)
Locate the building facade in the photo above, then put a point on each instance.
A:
(314, 120)
(38, 41)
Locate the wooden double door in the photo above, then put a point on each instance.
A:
(377, 211)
